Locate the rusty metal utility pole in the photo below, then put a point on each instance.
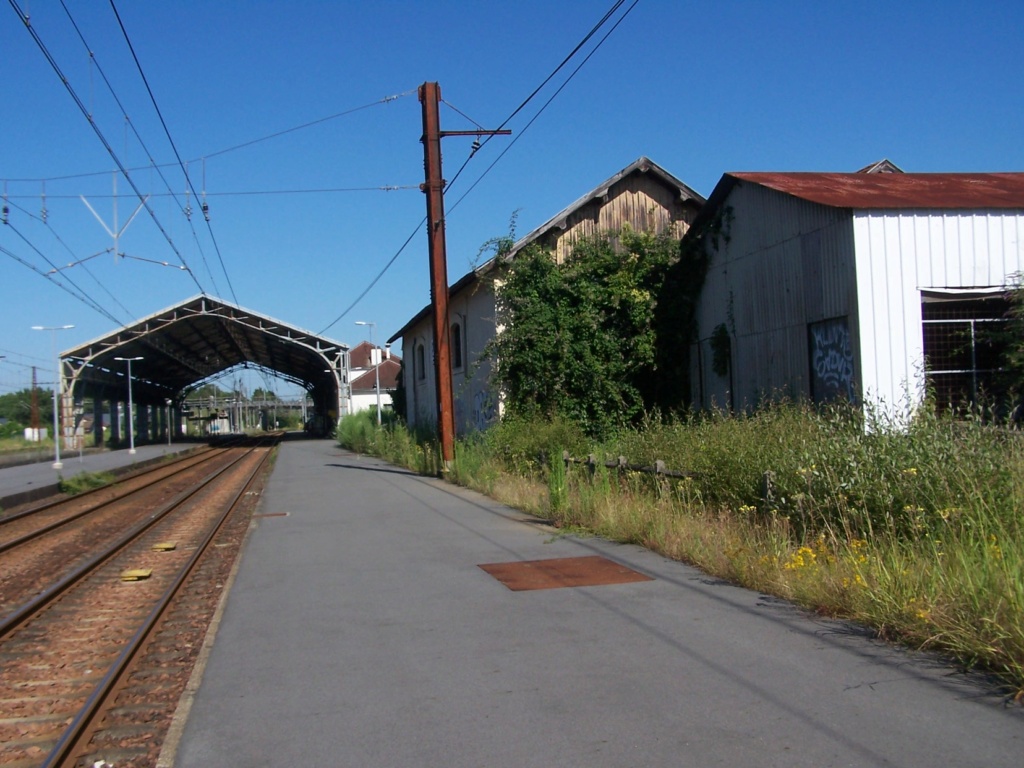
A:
(430, 98)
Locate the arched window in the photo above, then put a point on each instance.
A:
(421, 369)
(456, 341)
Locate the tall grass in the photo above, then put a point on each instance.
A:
(913, 528)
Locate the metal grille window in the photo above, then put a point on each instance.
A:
(964, 340)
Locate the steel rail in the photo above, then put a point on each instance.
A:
(205, 457)
(80, 731)
(90, 491)
(36, 604)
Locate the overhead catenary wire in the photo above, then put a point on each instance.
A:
(129, 124)
(216, 153)
(170, 140)
(310, 124)
(22, 354)
(518, 109)
(514, 112)
(81, 297)
(78, 260)
(99, 134)
(604, 19)
(376, 279)
(250, 192)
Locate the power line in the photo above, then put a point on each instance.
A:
(88, 302)
(77, 260)
(149, 154)
(376, 279)
(541, 110)
(604, 19)
(243, 145)
(99, 134)
(244, 193)
(518, 109)
(174, 147)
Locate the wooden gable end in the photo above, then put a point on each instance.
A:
(641, 200)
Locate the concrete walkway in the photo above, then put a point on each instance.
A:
(27, 481)
(360, 632)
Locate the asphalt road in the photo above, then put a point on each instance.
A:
(360, 631)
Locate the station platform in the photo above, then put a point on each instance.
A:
(361, 630)
(27, 482)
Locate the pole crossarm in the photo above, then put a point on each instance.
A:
(505, 132)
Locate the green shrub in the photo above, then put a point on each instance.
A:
(84, 481)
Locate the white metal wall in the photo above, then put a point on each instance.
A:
(899, 253)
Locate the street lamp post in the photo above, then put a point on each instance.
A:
(376, 368)
(131, 415)
(56, 389)
(168, 401)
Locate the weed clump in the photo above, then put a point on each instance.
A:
(84, 481)
(912, 527)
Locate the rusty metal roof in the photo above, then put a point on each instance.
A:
(896, 190)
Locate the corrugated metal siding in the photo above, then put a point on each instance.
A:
(899, 253)
(758, 285)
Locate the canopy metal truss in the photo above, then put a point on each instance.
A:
(183, 346)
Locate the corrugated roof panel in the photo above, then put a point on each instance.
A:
(898, 190)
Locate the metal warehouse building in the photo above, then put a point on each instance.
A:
(856, 285)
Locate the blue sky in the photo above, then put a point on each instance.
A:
(701, 88)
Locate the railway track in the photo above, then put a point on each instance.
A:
(104, 602)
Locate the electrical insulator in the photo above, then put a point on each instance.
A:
(6, 211)
(475, 147)
(206, 211)
(188, 212)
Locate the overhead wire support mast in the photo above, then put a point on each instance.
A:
(430, 98)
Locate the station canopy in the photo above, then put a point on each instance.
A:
(179, 348)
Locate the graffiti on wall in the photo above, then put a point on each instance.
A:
(832, 374)
(484, 410)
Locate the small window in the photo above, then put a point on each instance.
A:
(456, 341)
(421, 370)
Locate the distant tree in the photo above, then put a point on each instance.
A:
(16, 407)
(209, 390)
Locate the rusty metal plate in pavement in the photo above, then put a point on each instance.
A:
(589, 571)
